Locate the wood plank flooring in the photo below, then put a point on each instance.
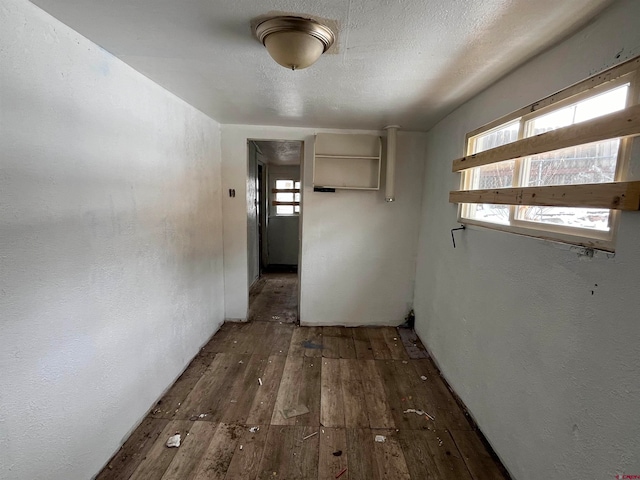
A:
(357, 383)
(274, 298)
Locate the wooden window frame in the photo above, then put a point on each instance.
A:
(628, 72)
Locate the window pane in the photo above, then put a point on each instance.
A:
(607, 102)
(296, 197)
(498, 136)
(496, 175)
(284, 210)
(296, 209)
(297, 185)
(284, 197)
(596, 219)
(592, 163)
(284, 184)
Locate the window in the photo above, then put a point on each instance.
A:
(286, 197)
(599, 162)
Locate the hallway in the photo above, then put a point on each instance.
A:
(356, 383)
(274, 298)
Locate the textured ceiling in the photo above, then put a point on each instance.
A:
(280, 152)
(395, 62)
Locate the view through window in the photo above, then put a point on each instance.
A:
(592, 163)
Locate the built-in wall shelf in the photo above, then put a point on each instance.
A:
(343, 161)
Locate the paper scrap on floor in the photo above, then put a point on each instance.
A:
(296, 411)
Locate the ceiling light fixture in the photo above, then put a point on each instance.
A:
(294, 42)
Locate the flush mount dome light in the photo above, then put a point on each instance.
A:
(294, 42)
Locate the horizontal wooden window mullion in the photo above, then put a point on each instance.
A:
(615, 195)
(624, 123)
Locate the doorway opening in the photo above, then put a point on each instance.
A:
(274, 210)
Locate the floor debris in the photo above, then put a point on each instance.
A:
(337, 453)
(341, 472)
(174, 441)
(419, 412)
(310, 435)
(381, 438)
(254, 429)
(260, 381)
(296, 411)
(423, 377)
(309, 344)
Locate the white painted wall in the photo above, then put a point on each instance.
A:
(358, 252)
(110, 246)
(550, 371)
(283, 232)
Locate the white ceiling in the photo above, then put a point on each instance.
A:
(407, 62)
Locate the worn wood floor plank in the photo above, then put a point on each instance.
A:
(480, 463)
(332, 442)
(394, 343)
(336, 332)
(310, 392)
(288, 456)
(389, 457)
(217, 458)
(310, 336)
(338, 347)
(171, 401)
(314, 336)
(288, 392)
(191, 451)
(346, 347)
(244, 390)
(378, 343)
(281, 339)
(218, 343)
(264, 401)
(448, 410)
(300, 385)
(236, 339)
(245, 462)
(402, 394)
(360, 454)
(376, 401)
(210, 396)
(412, 344)
(134, 450)
(331, 401)
(361, 396)
(353, 393)
(417, 453)
(159, 457)
(362, 344)
(331, 347)
(446, 456)
(298, 336)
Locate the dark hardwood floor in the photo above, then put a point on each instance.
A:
(274, 298)
(232, 408)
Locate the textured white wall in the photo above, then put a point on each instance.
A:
(542, 346)
(110, 246)
(358, 253)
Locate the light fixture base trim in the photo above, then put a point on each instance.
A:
(297, 24)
